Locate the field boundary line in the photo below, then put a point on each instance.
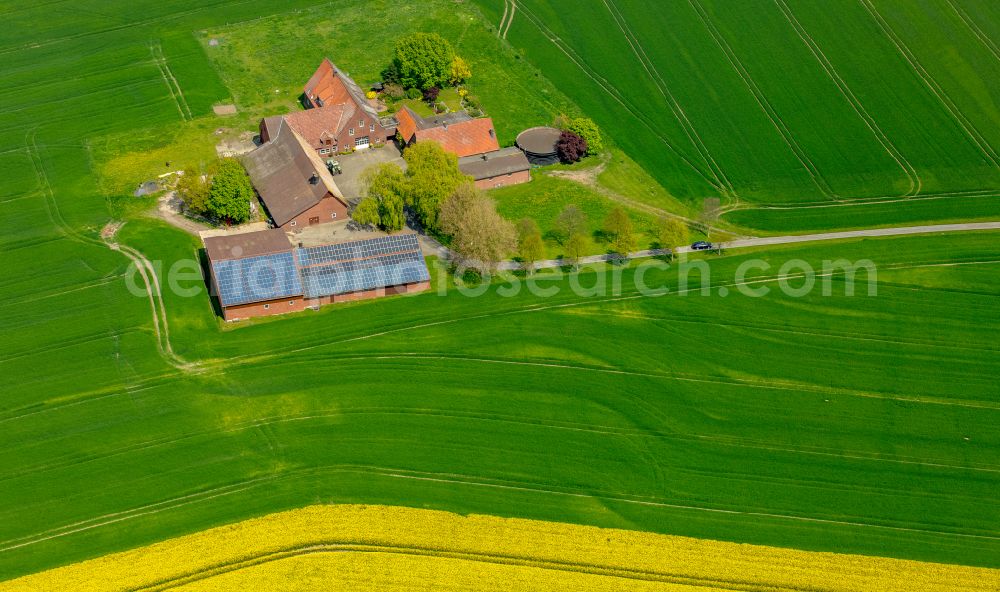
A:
(765, 105)
(614, 93)
(675, 107)
(970, 129)
(916, 184)
(456, 479)
(352, 546)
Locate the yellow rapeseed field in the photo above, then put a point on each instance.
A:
(384, 548)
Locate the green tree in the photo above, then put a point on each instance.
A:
(671, 232)
(386, 185)
(391, 212)
(193, 189)
(231, 192)
(459, 71)
(480, 236)
(571, 220)
(618, 227)
(577, 246)
(527, 227)
(531, 248)
(588, 130)
(432, 175)
(367, 212)
(422, 60)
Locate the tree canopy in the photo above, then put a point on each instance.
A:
(385, 184)
(671, 232)
(576, 247)
(618, 227)
(530, 245)
(231, 192)
(571, 220)
(480, 236)
(432, 175)
(367, 212)
(422, 60)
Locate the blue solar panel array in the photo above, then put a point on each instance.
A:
(256, 279)
(322, 271)
(358, 249)
(365, 274)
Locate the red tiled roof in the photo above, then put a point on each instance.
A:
(407, 124)
(333, 87)
(315, 125)
(465, 138)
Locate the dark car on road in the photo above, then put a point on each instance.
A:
(701, 246)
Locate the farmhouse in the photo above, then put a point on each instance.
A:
(260, 273)
(457, 132)
(508, 166)
(296, 187)
(338, 117)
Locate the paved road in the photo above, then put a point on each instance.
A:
(782, 240)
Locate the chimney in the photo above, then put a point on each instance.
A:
(314, 179)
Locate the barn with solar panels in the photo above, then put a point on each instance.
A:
(260, 273)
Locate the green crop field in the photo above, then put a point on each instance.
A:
(862, 423)
(785, 102)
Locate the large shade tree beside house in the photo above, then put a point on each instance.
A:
(432, 174)
(425, 60)
(385, 188)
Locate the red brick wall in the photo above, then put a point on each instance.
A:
(390, 291)
(346, 141)
(504, 180)
(324, 210)
(275, 307)
(263, 309)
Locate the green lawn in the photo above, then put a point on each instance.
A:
(861, 424)
(780, 102)
(545, 197)
(449, 96)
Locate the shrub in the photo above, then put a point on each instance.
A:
(393, 91)
(586, 129)
(431, 94)
(193, 189)
(371, 94)
(459, 71)
(413, 93)
(571, 147)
